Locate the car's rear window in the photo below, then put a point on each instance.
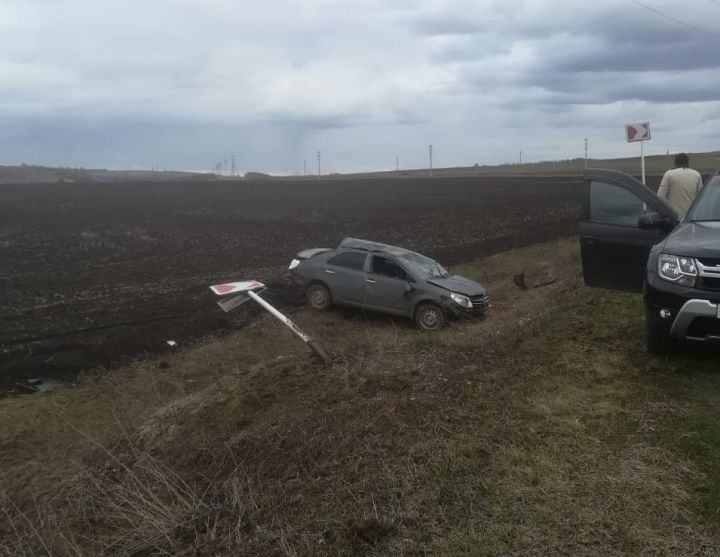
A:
(707, 207)
(349, 260)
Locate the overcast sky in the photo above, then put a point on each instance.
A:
(184, 83)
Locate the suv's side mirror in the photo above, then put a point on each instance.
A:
(656, 221)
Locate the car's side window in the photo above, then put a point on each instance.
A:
(611, 204)
(350, 260)
(387, 268)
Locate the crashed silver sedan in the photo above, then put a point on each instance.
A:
(389, 279)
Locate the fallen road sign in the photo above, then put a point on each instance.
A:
(250, 290)
(232, 287)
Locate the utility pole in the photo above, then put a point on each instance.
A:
(397, 163)
(430, 155)
(304, 167)
(520, 157)
(319, 156)
(234, 168)
(586, 151)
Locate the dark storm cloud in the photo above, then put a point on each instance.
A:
(608, 87)
(697, 54)
(615, 55)
(613, 43)
(613, 40)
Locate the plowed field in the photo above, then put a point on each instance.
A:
(94, 273)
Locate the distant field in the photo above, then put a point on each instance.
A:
(706, 163)
(33, 174)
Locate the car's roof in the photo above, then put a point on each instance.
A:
(366, 245)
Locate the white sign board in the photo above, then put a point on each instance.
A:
(233, 287)
(637, 132)
(250, 290)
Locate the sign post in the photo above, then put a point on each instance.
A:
(639, 132)
(249, 290)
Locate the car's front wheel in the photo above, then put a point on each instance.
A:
(429, 317)
(318, 297)
(657, 336)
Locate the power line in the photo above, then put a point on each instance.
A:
(676, 20)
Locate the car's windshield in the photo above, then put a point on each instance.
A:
(422, 266)
(707, 207)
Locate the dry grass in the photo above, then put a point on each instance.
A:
(530, 432)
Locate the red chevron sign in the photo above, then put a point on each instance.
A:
(232, 287)
(637, 132)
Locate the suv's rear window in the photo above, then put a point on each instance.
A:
(349, 260)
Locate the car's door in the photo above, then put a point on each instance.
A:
(345, 276)
(614, 247)
(387, 286)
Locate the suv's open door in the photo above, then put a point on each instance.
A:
(613, 244)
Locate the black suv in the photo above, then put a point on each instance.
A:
(631, 240)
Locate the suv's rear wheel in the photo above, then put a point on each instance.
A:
(318, 297)
(657, 336)
(429, 317)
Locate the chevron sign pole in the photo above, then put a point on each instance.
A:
(639, 132)
(250, 290)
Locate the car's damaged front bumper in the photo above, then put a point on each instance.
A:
(480, 305)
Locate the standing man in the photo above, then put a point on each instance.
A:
(680, 186)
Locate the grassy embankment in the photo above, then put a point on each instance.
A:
(544, 429)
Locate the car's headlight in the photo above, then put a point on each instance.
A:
(678, 269)
(461, 300)
(294, 263)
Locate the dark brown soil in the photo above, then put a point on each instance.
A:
(94, 273)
